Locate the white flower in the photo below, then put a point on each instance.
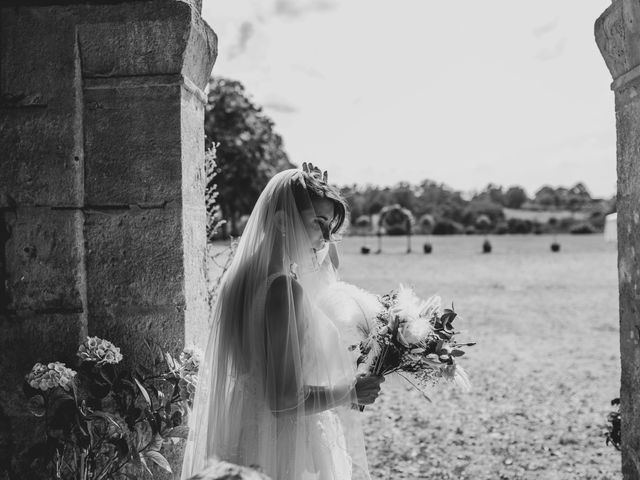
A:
(414, 331)
(413, 316)
(98, 350)
(52, 375)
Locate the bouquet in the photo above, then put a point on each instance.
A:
(412, 336)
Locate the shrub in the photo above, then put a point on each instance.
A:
(104, 420)
(447, 227)
(501, 228)
(517, 225)
(583, 228)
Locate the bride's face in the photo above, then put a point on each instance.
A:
(317, 221)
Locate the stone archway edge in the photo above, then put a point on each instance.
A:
(617, 33)
(102, 211)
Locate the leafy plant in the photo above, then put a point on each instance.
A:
(105, 420)
(613, 425)
(214, 212)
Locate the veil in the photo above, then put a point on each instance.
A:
(275, 388)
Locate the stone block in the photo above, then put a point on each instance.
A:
(134, 257)
(40, 163)
(148, 38)
(194, 216)
(628, 205)
(132, 144)
(201, 53)
(38, 57)
(129, 326)
(618, 37)
(192, 150)
(44, 260)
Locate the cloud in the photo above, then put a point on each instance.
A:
(279, 106)
(295, 8)
(546, 28)
(309, 71)
(555, 51)
(245, 32)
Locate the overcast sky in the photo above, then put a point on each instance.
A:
(465, 92)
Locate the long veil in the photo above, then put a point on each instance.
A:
(275, 388)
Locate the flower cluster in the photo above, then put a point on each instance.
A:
(413, 336)
(190, 359)
(98, 350)
(116, 416)
(46, 377)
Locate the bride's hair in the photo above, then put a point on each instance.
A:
(315, 189)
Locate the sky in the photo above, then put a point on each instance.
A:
(467, 93)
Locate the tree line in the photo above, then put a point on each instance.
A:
(244, 151)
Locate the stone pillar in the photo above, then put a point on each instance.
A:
(617, 34)
(102, 213)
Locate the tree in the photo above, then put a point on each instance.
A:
(249, 151)
(491, 193)
(546, 196)
(481, 206)
(515, 197)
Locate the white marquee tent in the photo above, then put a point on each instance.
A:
(611, 228)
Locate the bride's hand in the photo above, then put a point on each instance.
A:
(368, 388)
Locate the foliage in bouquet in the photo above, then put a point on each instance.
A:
(104, 420)
(415, 337)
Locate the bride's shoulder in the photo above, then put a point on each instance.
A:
(282, 282)
(281, 288)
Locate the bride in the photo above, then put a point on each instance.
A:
(278, 385)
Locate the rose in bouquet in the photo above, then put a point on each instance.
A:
(415, 337)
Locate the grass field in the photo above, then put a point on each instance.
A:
(544, 370)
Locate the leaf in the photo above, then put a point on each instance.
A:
(144, 392)
(158, 459)
(122, 447)
(156, 443)
(105, 375)
(107, 417)
(171, 362)
(36, 406)
(143, 371)
(457, 353)
(99, 389)
(39, 450)
(176, 419)
(144, 463)
(62, 411)
(178, 432)
(127, 475)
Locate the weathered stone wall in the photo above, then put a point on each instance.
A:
(618, 37)
(102, 213)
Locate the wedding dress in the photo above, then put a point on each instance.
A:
(276, 385)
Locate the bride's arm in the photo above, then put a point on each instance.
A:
(284, 344)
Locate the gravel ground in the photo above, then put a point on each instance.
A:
(544, 370)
